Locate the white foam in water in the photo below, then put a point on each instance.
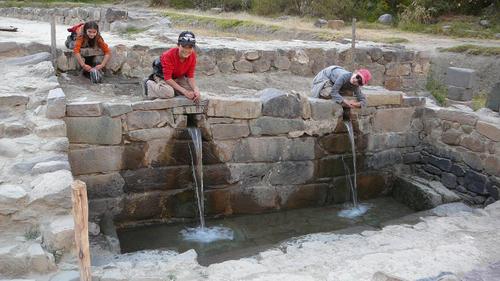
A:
(354, 212)
(207, 234)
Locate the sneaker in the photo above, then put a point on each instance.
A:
(144, 85)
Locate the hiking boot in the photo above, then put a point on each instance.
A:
(144, 85)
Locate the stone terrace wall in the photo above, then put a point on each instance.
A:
(395, 69)
(462, 151)
(69, 16)
(276, 151)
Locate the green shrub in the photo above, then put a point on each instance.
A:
(334, 9)
(415, 13)
(268, 7)
(158, 3)
(182, 4)
(437, 90)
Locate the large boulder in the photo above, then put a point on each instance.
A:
(386, 19)
(277, 103)
(52, 188)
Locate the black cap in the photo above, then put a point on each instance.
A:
(186, 38)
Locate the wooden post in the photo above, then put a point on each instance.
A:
(53, 46)
(81, 217)
(353, 43)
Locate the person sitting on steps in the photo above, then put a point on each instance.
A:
(334, 81)
(87, 36)
(173, 72)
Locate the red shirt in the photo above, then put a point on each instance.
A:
(174, 68)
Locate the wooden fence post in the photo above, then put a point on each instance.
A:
(353, 44)
(81, 217)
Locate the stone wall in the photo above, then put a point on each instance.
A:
(462, 151)
(273, 151)
(395, 69)
(68, 16)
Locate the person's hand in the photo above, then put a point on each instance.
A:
(87, 67)
(197, 96)
(99, 67)
(356, 104)
(347, 103)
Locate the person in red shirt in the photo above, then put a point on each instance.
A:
(174, 72)
(88, 36)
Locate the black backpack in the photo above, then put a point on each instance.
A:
(157, 68)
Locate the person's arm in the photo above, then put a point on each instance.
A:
(107, 53)
(337, 85)
(192, 83)
(360, 97)
(76, 51)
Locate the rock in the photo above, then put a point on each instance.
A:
(52, 189)
(493, 100)
(324, 109)
(56, 104)
(382, 276)
(275, 126)
(300, 63)
(116, 109)
(40, 261)
(386, 19)
(320, 23)
(92, 108)
(277, 103)
(336, 24)
(56, 144)
(459, 93)
(293, 172)
(60, 234)
(485, 23)
(230, 131)
(24, 166)
(142, 119)
(115, 274)
(16, 130)
(489, 130)
(274, 149)
(56, 128)
(13, 100)
(115, 15)
(216, 10)
(240, 108)
(94, 130)
(152, 134)
(489, 201)
(98, 159)
(29, 60)
(446, 28)
(49, 167)
(415, 194)
(393, 120)
(261, 65)
(447, 195)
(397, 69)
(393, 83)
(449, 180)
(252, 55)
(42, 69)
(243, 66)
(461, 77)
(118, 57)
(103, 185)
(282, 62)
(385, 158)
(206, 65)
(9, 148)
(476, 182)
(461, 117)
(451, 137)
(10, 198)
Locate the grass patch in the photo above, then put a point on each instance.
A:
(219, 23)
(130, 30)
(32, 233)
(370, 25)
(462, 27)
(437, 90)
(479, 101)
(393, 40)
(471, 49)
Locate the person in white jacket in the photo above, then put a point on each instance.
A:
(333, 81)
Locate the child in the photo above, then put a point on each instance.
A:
(88, 36)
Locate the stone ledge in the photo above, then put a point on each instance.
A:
(242, 108)
(76, 109)
(491, 131)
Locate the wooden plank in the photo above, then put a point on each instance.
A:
(81, 217)
(53, 46)
(8, 28)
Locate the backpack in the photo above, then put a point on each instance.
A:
(157, 68)
(72, 37)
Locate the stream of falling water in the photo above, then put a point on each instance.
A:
(202, 233)
(357, 209)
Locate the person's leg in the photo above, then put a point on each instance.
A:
(326, 92)
(158, 88)
(183, 82)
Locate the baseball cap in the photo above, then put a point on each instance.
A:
(365, 74)
(187, 38)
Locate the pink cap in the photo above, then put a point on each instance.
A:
(365, 74)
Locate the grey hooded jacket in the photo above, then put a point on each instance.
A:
(340, 79)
